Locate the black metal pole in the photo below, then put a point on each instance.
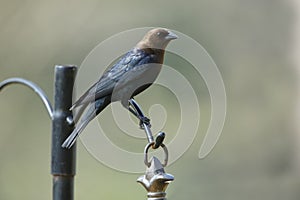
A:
(63, 161)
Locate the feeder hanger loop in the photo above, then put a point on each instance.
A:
(155, 180)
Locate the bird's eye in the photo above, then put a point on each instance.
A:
(158, 33)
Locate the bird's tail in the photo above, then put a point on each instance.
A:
(93, 109)
(68, 143)
(89, 115)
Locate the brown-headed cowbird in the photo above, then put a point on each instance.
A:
(130, 75)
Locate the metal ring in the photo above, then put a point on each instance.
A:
(146, 160)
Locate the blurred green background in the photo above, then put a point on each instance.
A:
(253, 44)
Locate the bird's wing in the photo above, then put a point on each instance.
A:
(91, 94)
(111, 76)
(141, 72)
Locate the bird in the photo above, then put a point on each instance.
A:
(134, 72)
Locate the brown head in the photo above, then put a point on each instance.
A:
(157, 38)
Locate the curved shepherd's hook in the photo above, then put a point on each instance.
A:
(32, 86)
(63, 161)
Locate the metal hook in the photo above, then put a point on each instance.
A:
(32, 86)
(137, 111)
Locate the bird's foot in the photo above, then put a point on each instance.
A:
(144, 120)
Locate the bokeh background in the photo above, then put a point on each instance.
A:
(254, 44)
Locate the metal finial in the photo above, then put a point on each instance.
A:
(155, 180)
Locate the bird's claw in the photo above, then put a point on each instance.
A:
(144, 120)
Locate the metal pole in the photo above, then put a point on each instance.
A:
(63, 161)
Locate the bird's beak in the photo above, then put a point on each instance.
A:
(171, 36)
